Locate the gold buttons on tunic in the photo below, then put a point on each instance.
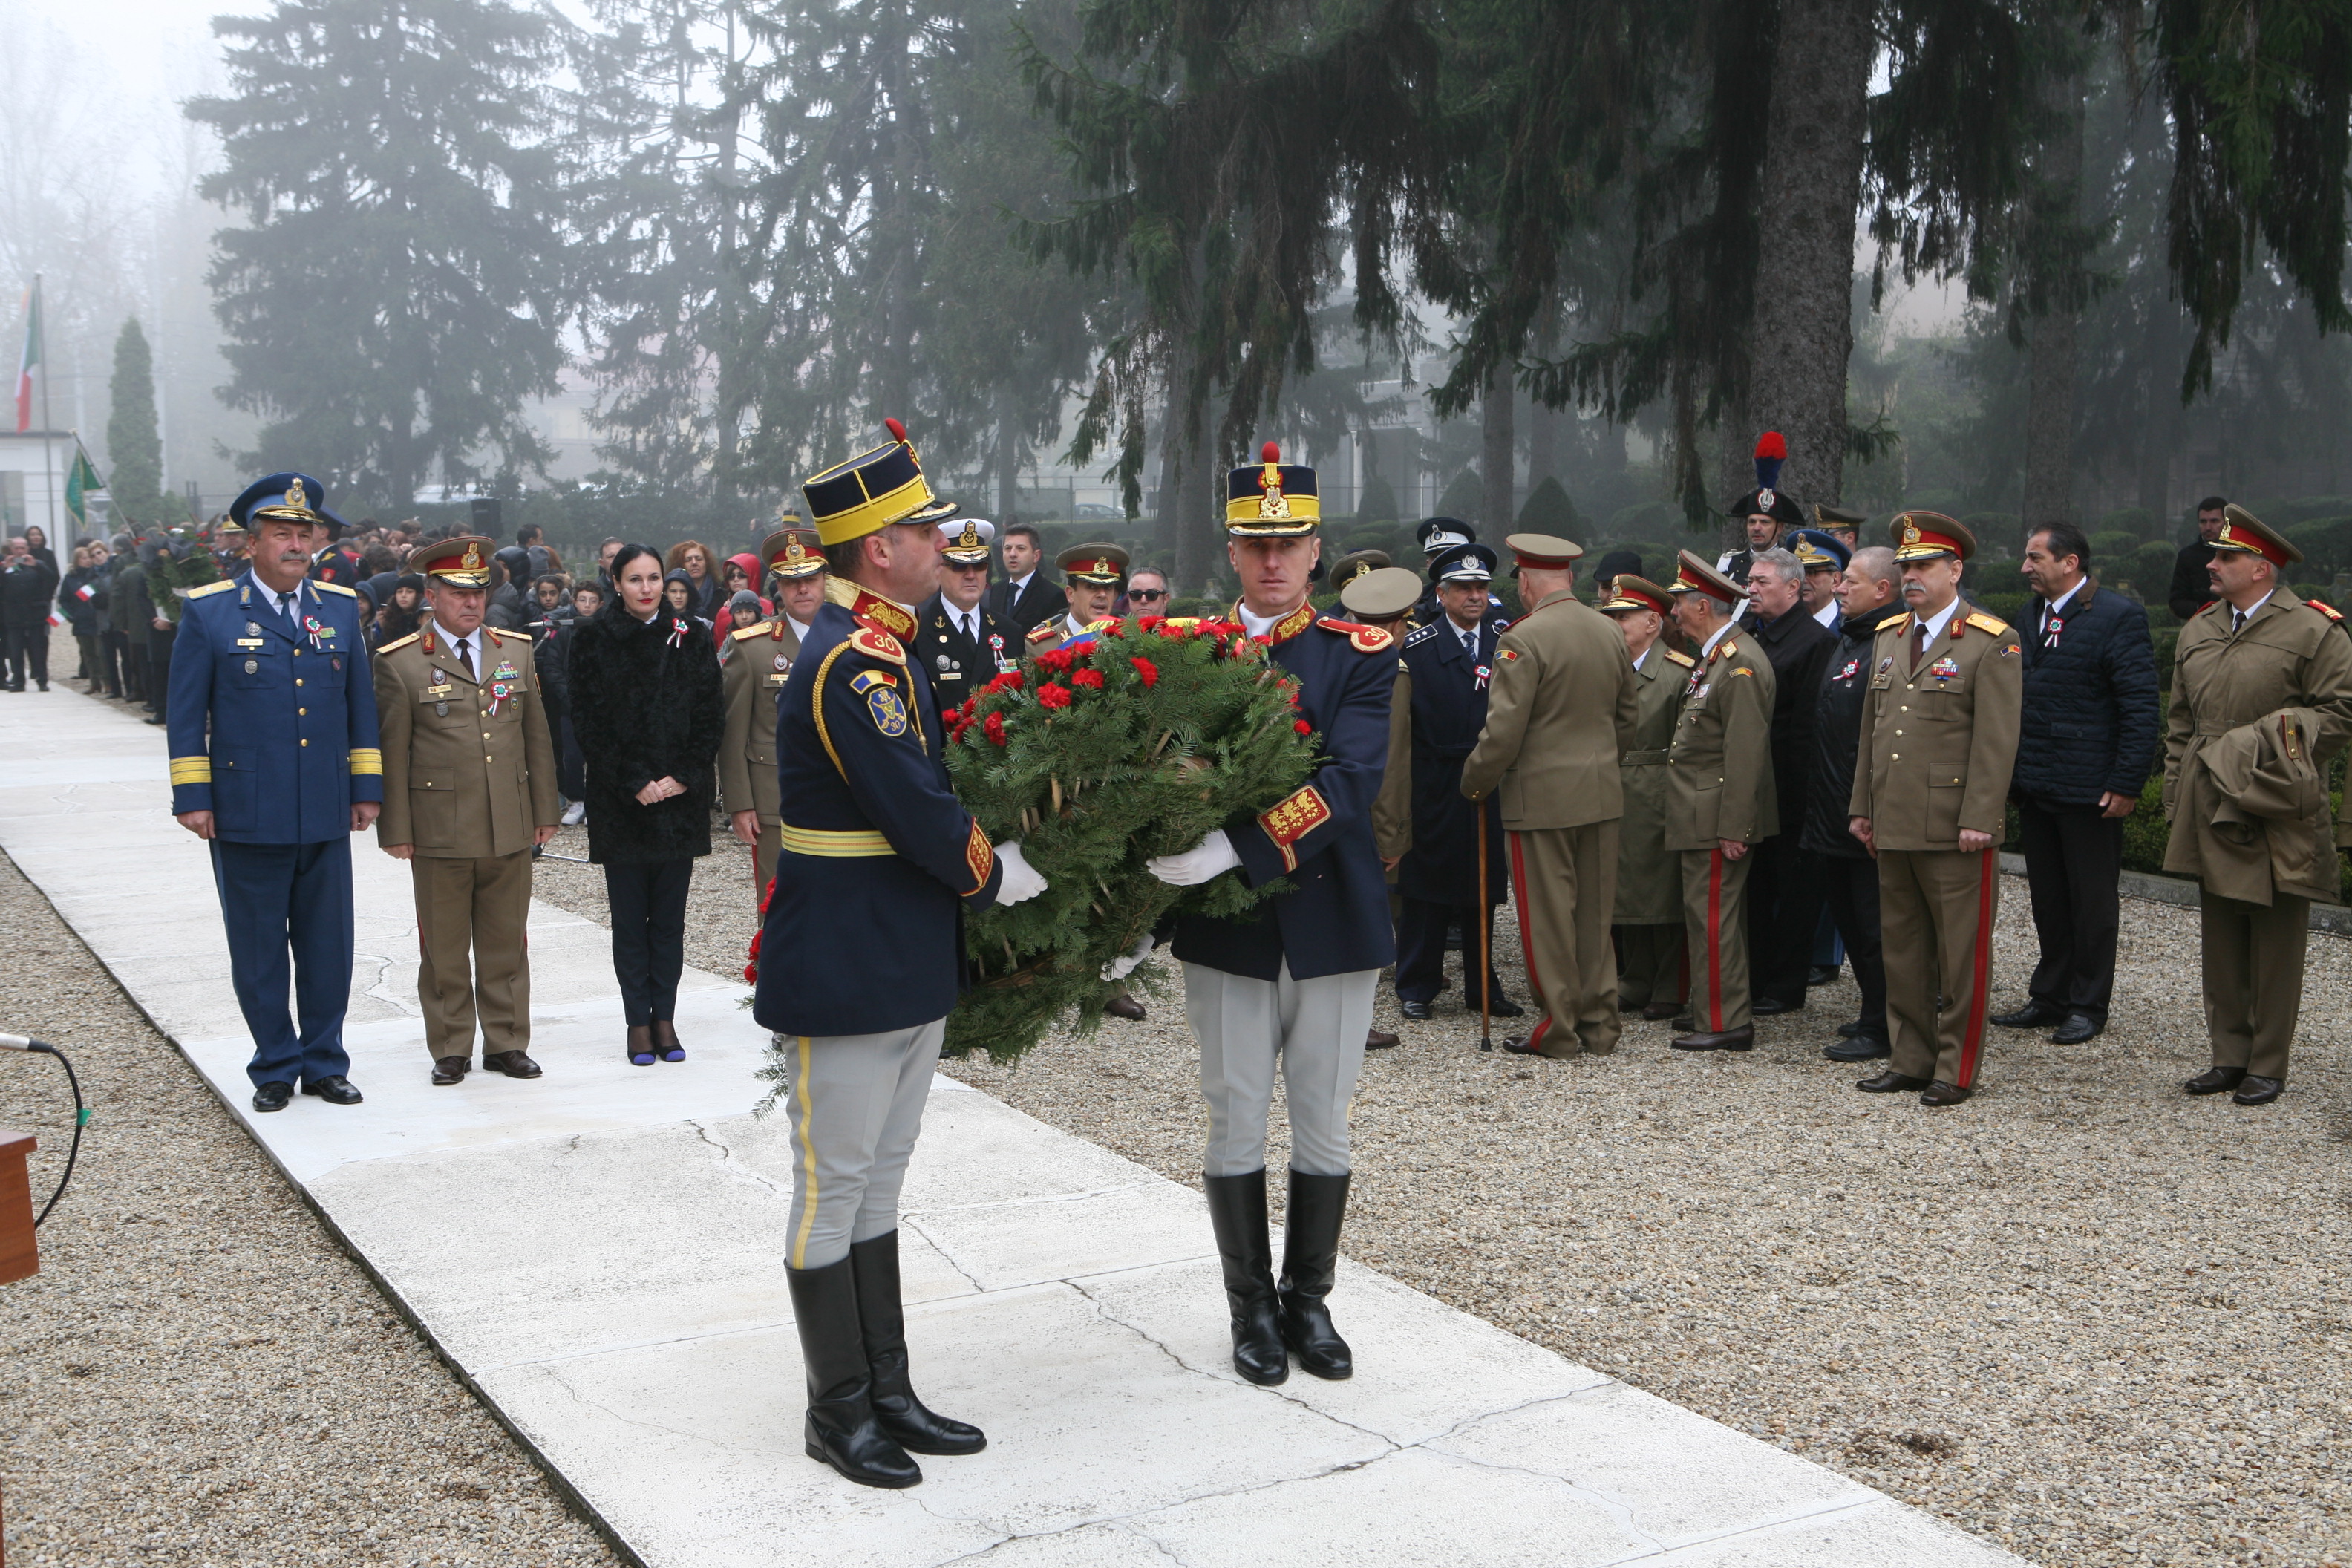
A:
(306, 740)
(301, 713)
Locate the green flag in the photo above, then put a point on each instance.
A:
(79, 482)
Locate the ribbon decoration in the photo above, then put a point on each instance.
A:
(499, 691)
(311, 623)
(1483, 672)
(677, 638)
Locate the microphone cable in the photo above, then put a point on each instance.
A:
(81, 1111)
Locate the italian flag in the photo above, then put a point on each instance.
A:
(31, 357)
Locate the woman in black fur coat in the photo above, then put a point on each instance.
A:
(648, 709)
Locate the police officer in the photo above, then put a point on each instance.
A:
(1719, 801)
(1292, 983)
(877, 864)
(1930, 801)
(1091, 577)
(1562, 714)
(753, 665)
(2254, 650)
(469, 790)
(1648, 918)
(960, 643)
(1450, 664)
(275, 762)
(1765, 512)
(1436, 536)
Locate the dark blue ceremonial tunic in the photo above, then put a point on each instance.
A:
(1449, 714)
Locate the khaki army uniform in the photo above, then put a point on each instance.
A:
(752, 666)
(1559, 710)
(2256, 915)
(1939, 742)
(1649, 913)
(469, 777)
(1392, 810)
(1719, 786)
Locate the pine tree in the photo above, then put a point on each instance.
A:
(134, 445)
(397, 293)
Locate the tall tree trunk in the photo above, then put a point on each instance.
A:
(1802, 331)
(1008, 455)
(1543, 444)
(729, 281)
(1497, 455)
(1198, 513)
(1169, 508)
(2160, 423)
(2050, 389)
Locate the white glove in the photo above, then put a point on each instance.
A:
(1121, 968)
(1196, 865)
(1021, 879)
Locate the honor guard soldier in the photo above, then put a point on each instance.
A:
(754, 663)
(275, 761)
(959, 641)
(1091, 575)
(1451, 666)
(877, 865)
(1930, 802)
(1292, 983)
(2244, 663)
(1648, 919)
(469, 791)
(1719, 801)
(1765, 512)
(1561, 714)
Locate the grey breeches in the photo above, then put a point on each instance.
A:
(856, 1103)
(1314, 1028)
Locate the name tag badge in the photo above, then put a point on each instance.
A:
(776, 680)
(249, 642)
(441, 689)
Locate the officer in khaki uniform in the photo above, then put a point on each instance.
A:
(1930, 801)
(1649, 914)
(752, 665)
(1559, 713)
(1092, 575)
(469, 788)
(1720, 800)
(2254, 650)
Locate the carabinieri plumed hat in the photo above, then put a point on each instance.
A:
(1272, 499)
(1767, 499)
(869, 491)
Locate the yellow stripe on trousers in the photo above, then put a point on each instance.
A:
(808, 1159)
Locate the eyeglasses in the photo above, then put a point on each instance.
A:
(1142, 594)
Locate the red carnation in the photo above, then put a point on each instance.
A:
(753, 952)
(1146, 671)
(1088, 678)
(1051, 696)
(1148, 623)
(993, 728)
(1302, 726)
(1055, 659)
(750, 974)
(1010, 680)
(1113, 629)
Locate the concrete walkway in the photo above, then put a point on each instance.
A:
(599, 1254)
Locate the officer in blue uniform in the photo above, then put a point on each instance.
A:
(1450, 661)
(1292, 983)
(878, 863)
(1438, 537)
(275, 761)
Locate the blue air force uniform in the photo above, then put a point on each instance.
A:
(1292, 982)
(272, 723)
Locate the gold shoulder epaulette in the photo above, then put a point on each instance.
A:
(326, 587)
(2330, 611)
(878, 644)
(1897, 619)
(1685, 660)
(509, 632)
(396, 646)
(1985, 623)
(1364, 638)
(756, 629)
(222, 586)
(1040, 633)
(1726, 647)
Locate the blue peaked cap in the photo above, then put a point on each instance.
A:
(277, 492)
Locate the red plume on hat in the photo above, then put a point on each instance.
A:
(1270, 453)
(899, 431)
(1770, 453)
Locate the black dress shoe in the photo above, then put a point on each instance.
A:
(1821, 975)
(1941, 1093)
(1502, 1006)
(272, 1096)
(2216, 1080)
(514, 1064)
(447, 1070)
(1854, 1028)
(1861, 1048)
(1656, 1010)
(1419, 1012)
(1890, 1082)
(2035, 1015)
(2259, 1091)
(1517, 1046)
(335, 1088)
(2078, 1029)
(157, 720)
(1379, 1040)
(1742, 1039)
(1773, 1007)
(1683, 1023)
(1124, 1006)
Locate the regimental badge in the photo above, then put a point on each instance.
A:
(1910, 534)
(252, 665)
(1292, 819)
(472, 559)
(1885, 664)
(783, 664)
(252, 629)
(440, 710)
(889, 713)
(1273, 504)
(296, 496)
(1764, 499)
(1944, 667)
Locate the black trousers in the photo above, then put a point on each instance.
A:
(132, 657)
(2074, 860)
(1784, 905)
(87, 643)
(647, 900)
(159, 667)
(1421, 950)
(1850, 889)
(28, 651)
(106, 665)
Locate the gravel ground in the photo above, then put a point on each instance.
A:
(199, 1373)
(2081, 1314)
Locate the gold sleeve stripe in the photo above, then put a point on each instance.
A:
(192, 770)
(367, 763)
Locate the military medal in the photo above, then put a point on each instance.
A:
(1944, 667)
(783, 664)
(251, 665)
(440, 710)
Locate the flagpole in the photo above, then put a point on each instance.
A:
(48, 463)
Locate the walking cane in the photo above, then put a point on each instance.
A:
(1486, 933)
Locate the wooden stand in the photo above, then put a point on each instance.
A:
(19, 1259)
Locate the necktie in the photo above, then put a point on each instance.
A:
(1470, 644)
(1918, 644)
(2237, 622)
(466, 655)
(286, 607)
(970, 624)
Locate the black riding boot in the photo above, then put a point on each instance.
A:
(1310, 1255)
(841, 1430)
(1237, 1211)
(904, 1418)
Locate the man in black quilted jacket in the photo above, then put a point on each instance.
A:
(2087, 739)
(2190, 591)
